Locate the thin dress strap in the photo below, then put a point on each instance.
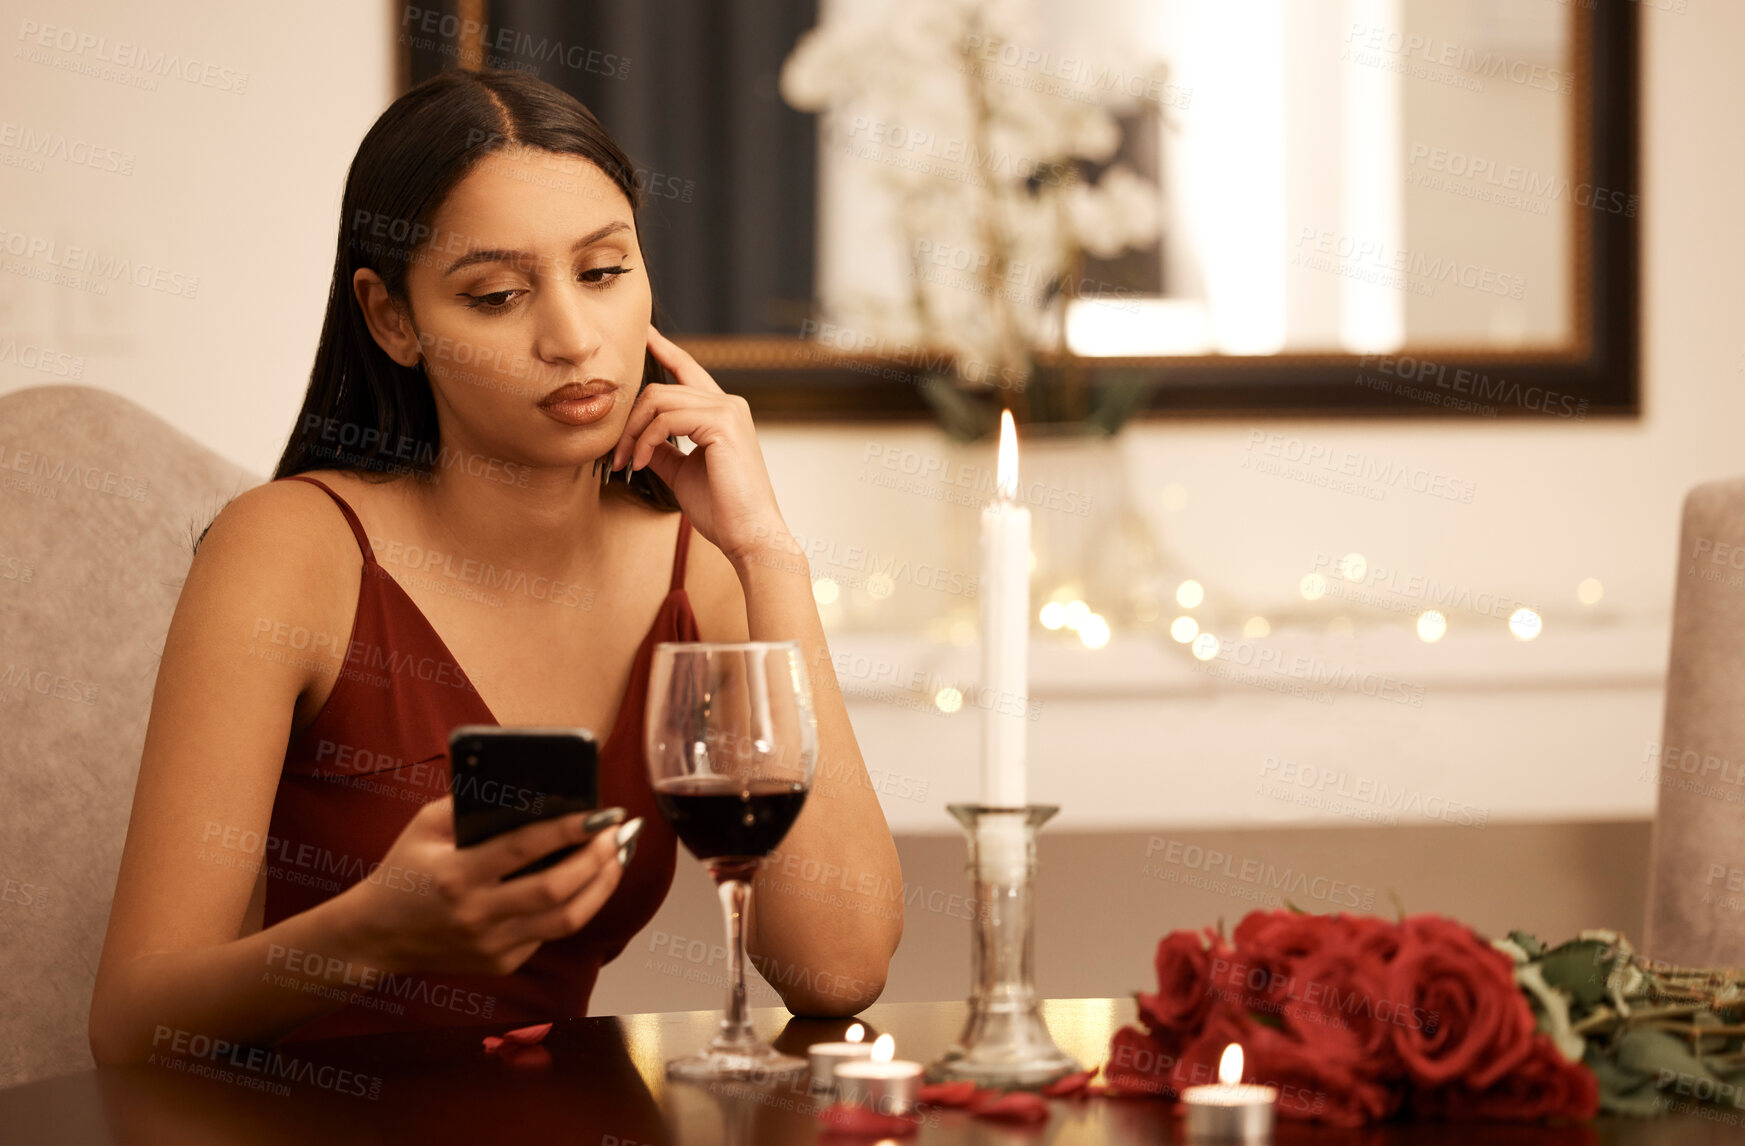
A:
(680, 550)
(357, 528)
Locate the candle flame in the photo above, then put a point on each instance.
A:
(884, 1048)
(1230, 1066)
(855, 1034)
(1007, 472)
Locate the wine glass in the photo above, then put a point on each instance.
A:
(731, 742)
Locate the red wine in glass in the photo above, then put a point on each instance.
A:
(729, 823)
(732, 744)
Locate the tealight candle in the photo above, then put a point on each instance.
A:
(889, 1086)
(826, 1057)
(1231, 1111)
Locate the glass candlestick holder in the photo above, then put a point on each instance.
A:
(1005, 1042)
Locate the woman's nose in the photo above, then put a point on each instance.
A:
(564, 330)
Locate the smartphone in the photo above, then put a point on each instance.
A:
(503, 778)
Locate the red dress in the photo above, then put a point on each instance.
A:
(378, 751)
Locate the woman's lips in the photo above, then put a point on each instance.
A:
(579, 405)
(580, 411)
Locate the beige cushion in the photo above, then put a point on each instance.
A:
(1696, 900)
(100, 502)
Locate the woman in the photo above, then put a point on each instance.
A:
(477, 515)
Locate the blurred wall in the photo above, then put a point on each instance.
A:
(205, 144)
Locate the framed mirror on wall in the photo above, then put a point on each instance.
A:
(1092, 210)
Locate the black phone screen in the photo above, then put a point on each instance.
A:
(503, 778)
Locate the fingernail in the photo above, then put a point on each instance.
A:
(605, 817)
(627, 836)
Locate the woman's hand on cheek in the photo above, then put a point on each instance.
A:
(722, 485)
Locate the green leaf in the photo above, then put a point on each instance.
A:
(1609, 1072)
(1528, 943)
(1579, 969)
(964, 418)
(1622, 1091)
(1119, 398)
(1399, 905)
(1553, 1011)
(1660, 1055)
(1643, 1102)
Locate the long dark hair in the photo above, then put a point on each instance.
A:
(364, 412)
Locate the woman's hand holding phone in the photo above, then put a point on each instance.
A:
(456, 914)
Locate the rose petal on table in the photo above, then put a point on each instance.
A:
(1019, 1106)
(847, 1118)
(492, 1042)
(1071, 1084)
(527, 1036)
(948, 1093)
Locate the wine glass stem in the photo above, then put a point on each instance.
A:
(735, 1027)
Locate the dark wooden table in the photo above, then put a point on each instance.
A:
(604, 1086)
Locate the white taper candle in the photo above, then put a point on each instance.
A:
(1005, 616)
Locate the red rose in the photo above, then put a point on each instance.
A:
(1476, 1023)
(1184, 985)
(1269, 944)
(1339, 1008)
(1314, 1087)
(1138, 1064)
(1543, 1085)
(1280, 936)
(1375, 937)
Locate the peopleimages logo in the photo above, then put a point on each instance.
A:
(262, 1067)
(1385, 473)
(1260, 873)
(1380, 255)
(1315, 671)
(95, 49)
(1462, 380)
(1390, 588)
(1346, 785)
(1437, 52)
(312, 969)
(38, 145)
(68, 472)
(112, 267)
(1267, 989)
(508, 42)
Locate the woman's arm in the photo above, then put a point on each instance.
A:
(220, 718)
(827, 910)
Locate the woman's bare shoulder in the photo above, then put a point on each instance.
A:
(290, 520)
(282, 549)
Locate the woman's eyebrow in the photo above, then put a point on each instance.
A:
(500, 255)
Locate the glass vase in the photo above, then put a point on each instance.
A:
(1005, 1042)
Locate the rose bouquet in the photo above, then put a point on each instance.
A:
(1355, 1020)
